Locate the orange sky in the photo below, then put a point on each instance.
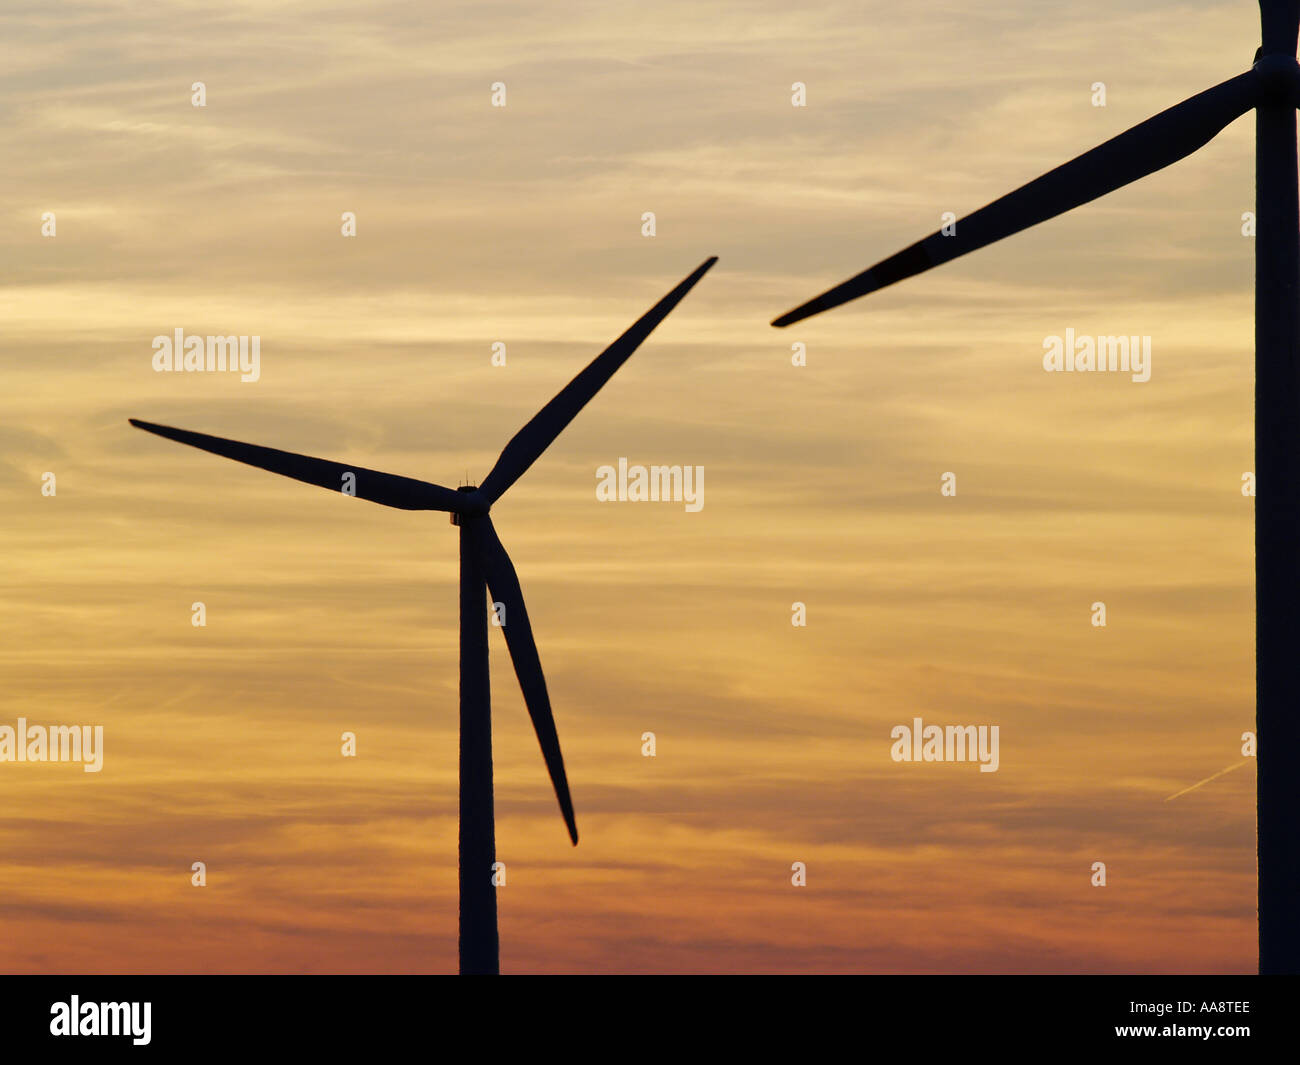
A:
(523, 225)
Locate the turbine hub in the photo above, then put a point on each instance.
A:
(1279, 75)
(474, 507)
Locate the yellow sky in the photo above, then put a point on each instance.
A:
(523, 225)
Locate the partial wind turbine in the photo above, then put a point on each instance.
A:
(484, 566)
(1272, 88)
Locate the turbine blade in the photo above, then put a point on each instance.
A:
(1150, 146)
(386, 488)
(535, 437)
(503, 583)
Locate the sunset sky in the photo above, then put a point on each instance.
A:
(523, 225)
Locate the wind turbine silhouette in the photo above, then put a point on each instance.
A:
(1272, 88)
(484, 564)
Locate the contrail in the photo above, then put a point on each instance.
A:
(1208, 779)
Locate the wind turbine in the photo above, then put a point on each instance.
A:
(1272, 88)
(484, 564)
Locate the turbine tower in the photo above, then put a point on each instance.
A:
(484, 566)
(1272, 88)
